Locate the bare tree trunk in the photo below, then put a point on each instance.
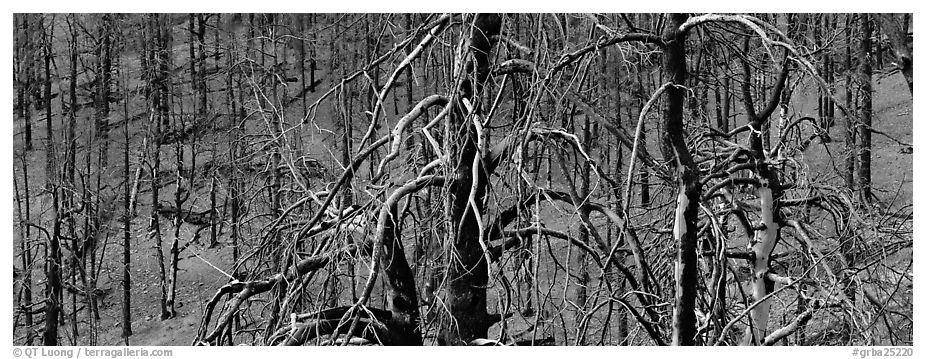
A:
(370, 49)
(849, 145)
(847, 238)
(197, 49)
(581, 260)
(26, 78)
(300, 51)
(684, 322)
(158, 109)
(785, 105)
(53, 275)
(864, 94)
(238, 116)
(721, 103)
(51, 169)
(70, 162)
(275, 185)
(194, 82)
(409, 76)
(727, 95)
(23, 75)
(104, 66)
(213, 231)
(645, 197)
(827, 73)
(621, 335)
(769, 192)
(217, 42)
(25, 302)
(180, 195)
(466, 296)
(399, 286)
(201, 74)
(312, 52)
(53, 294)
(127, 222)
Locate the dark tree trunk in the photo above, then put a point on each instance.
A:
(70, 156)
(25, 302)
(26, 79)
(409, 76)
(127, 226)
(401, 292)
(827, 74)
(53, 294)
(849, 134)
(203, 92)
(191, 43)
(104, 66)
(300, 51)
(864, 94)
(466, 295)
(276, 178)
(621, 330)
(238, 114)
(312, 53)
(581, 260)
(645, 198)
(53, 275)
(158, 109)
(684, 322)
(722, 104)
(70, 163)
(213, 232)
(180, 193)
(51, 170)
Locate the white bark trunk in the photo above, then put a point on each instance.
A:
(763, 244)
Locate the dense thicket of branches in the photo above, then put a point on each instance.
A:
(455, 179)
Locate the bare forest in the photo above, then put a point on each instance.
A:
(462, 179)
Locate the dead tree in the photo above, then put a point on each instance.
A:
(466, 297)
(474, 148)
(126, 223)
(864, 111)
(689, 193)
